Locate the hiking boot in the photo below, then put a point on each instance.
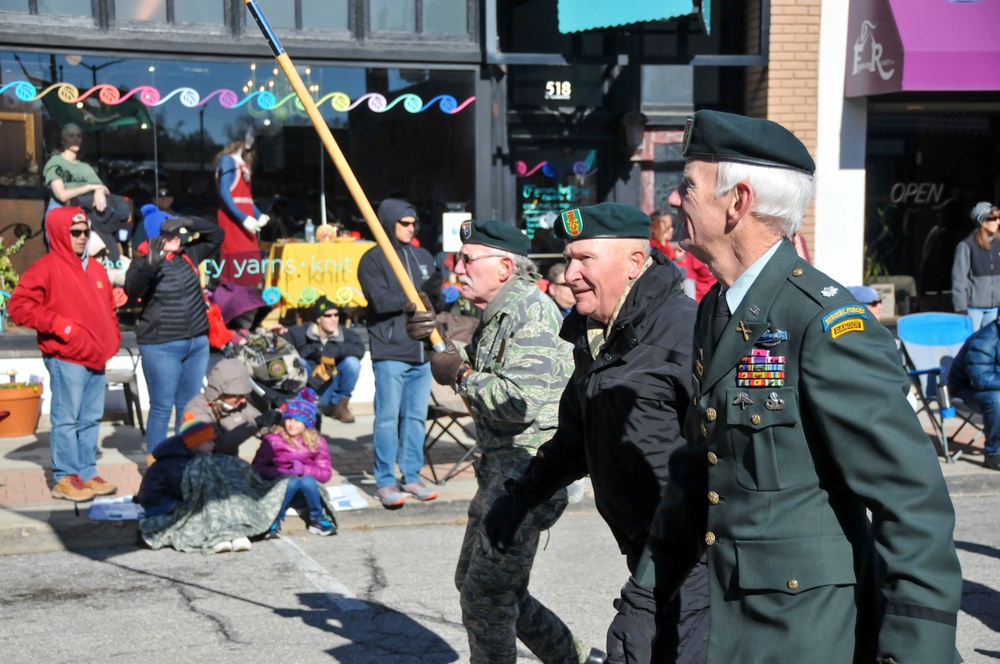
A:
(100, 486)
(341, 412)
(391, 497)
(323, 528)
(71, 487)
(241, 544)
(420, 491)
(992, 461)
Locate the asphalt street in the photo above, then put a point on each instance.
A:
(381, 594)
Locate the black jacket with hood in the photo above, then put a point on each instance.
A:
(386, 320)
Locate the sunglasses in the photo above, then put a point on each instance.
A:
(331, 314)
(80, 233)
(407, 223)
(469, 259)
(875, 303)
(991, 219)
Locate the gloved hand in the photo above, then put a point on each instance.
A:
(420, 324)
(251, 225)
(156, 251)
(268, 419)
(630, 636)
(446, 364)
(502, 521)
(262, 221)
(295, 467)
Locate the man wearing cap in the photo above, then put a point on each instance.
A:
(511, 375)
(799, 424)
(620, 417)
(333, 353)
(67, 297)
(869, 297)
(402, 374)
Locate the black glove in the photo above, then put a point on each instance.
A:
(420, 324)
(156, 252)
(630, 636)
(268, 419)
(447, 365)
(502, 521)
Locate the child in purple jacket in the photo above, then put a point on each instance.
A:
(298, 450)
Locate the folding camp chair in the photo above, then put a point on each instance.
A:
(444, 415)
(930, 341)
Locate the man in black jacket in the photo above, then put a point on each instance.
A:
(400, 364)
(620, 416)
(333, 353)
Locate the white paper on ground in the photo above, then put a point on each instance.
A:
(346, 497)
(119, 508)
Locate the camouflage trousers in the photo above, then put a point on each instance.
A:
(497, 608)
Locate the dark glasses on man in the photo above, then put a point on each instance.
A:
(406, 223)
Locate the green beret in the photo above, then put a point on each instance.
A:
(495, 234)
(602, 220)
(717, 136)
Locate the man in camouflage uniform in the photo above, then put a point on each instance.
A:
(512, 378)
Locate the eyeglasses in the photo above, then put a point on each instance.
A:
(80, 233)
(407, 223)
(469, 259)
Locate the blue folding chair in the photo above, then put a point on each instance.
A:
(930, 341)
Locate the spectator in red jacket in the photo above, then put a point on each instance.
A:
(67, 297)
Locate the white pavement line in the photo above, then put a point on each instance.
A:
(319, 577)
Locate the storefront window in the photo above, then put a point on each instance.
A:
(199, 11)
(330, 15)
(65, 7)
(149, 11)
(149, 123)
(393, 16)
(280, 13)
(445, 17)
(14, 6)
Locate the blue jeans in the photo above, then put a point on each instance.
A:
(342, 385)
(402, 392)
(76, 409)
(982, 317)
(988, 404)
(308, 488)
(175, 372)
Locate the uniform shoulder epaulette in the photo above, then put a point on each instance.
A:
(818, 287)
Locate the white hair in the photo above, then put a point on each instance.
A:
(782, 195)
(523, 266)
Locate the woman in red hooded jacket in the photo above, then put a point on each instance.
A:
(66, 296)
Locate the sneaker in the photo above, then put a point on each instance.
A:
(241, 544)
(992, 461)
(274, 532)
(323, 528)
(391, 497)
(420, 491)
(341, 412)
(223, 547)
(71, 487)
(100, 486)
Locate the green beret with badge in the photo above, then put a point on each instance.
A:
(604, 220)
(717, 136)
(495, 234)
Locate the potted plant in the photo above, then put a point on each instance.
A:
(23, 404)
(8, 276)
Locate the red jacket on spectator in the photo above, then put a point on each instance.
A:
(71, 307)
(703, 279)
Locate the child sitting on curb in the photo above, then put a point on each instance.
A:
(299, 451)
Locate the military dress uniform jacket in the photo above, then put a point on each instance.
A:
(776, 477)
(621, 415)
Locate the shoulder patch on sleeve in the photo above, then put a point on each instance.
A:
(847, 311)
(849, 325)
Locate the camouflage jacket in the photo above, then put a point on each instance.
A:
(520, 367)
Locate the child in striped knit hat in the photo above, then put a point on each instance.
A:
(297, 449)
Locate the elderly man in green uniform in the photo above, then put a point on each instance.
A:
(799, 424)
(514, 373)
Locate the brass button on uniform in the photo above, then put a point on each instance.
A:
(711, 414)
(710, 538)
(755, 418)
(793, 585)
(712, 459)
(704, 431)
(713, 497)
(797, 272)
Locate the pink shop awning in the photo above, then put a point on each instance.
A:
(922, 45)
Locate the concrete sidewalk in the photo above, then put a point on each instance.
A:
(32, 521)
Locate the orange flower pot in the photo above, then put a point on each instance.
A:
(25, 405)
